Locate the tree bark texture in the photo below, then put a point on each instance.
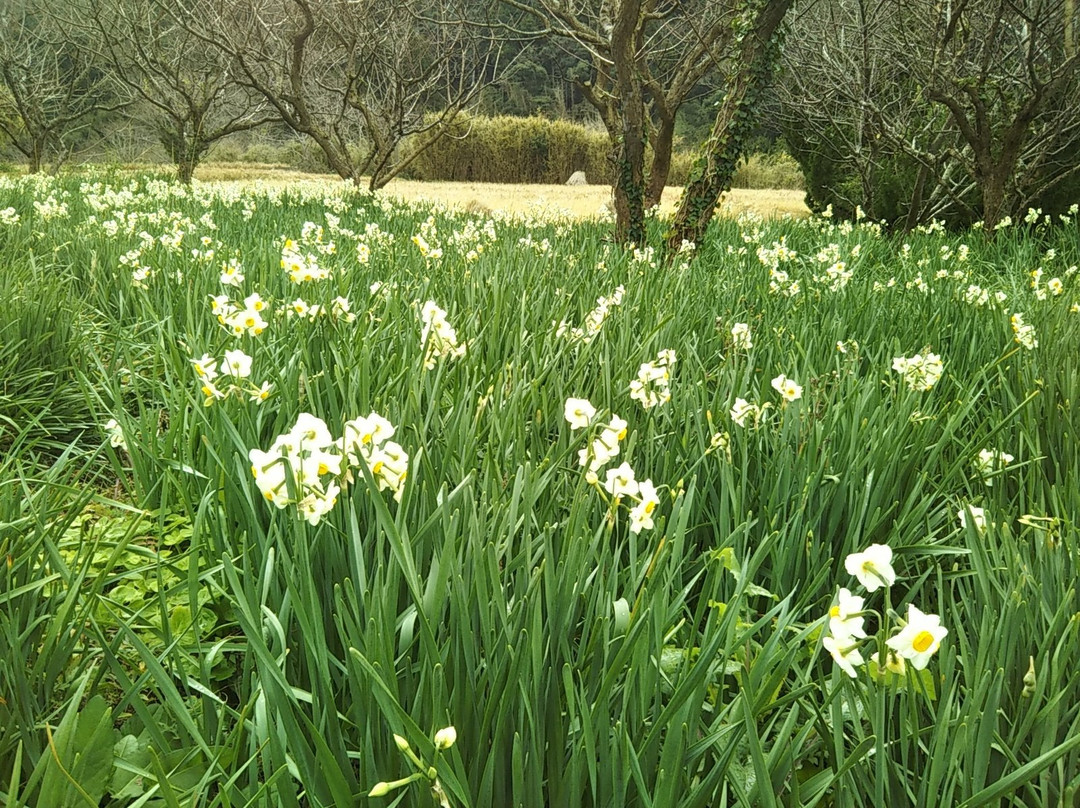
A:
(713, 171)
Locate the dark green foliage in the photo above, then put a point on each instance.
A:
(519, 150)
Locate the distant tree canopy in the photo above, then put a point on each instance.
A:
(53, 89)
(961, 111)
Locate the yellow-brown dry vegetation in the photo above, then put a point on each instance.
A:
(578, 201)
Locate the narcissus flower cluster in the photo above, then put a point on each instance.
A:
(437, 336)
(230, 376)
(620, 483)
(301, 266)
(240, 320)
(367, 441)
(307, 466)
(651, 387)
(747, 414)
(912, 640)
(919, 372)
(741, 338)
(1023, 333)
(594, 320)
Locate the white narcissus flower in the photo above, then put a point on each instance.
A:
(389, 466)
(741, 339)
(919, 638)
(248, 321)
(317, 504)
(311, 432)
(316, 463)
(744, 411)
(845, 653)
(116, 434)
(976, 515)
(211, 392)
(614, 432)
(579, 412)
(231, 274)
(873, 566)
(237, 363)
(269, 469)
(254, 302)
(919, 372)
(991, 461)
(621, 482)
(641, 515)
(205, 367)
(260, 394)
(844, 617)
(787, 388)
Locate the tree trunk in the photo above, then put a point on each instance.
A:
(36, 156)
(629, 151)
(185, 168)
(993, 200)
(758, 54)
(661, 162)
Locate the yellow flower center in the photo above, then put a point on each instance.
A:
(834, 611)
(650, 507)
(324, 469)
(249, 322)
(377, 467)
(622, 434)
(923, 640)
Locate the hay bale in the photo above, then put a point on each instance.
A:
(577, 178)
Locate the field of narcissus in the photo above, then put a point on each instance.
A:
(315, 498)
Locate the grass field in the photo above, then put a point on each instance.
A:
(310, 498)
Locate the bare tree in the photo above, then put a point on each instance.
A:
(53, 88)
(646, 57)
(959, 110)
(747, 75)
(189, 89)
(371, 82)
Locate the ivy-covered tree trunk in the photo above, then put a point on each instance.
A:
(629, 151)
(663, 143)
(759, 53)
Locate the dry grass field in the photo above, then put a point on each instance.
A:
(582, 201)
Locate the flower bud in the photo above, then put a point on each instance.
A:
(445, 738)
(402, 744)
(379, 790)
(1029, 679)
